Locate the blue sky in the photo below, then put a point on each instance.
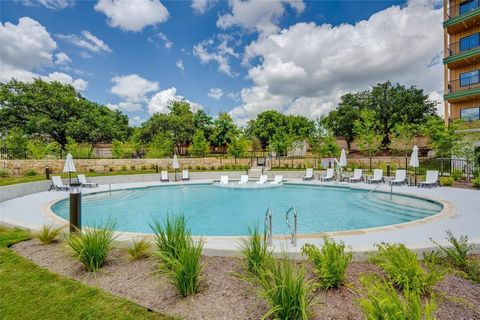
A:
(242, 57)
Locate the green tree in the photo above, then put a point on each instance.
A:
(280, 143)
(441, 138)
(79, 150)
(365, 129)
(402, 138)
(118, 151)
(237, 147)
(202, 121)
(16, 143)
(38, 149)
(199, 146)
(323, 142)
(223, 130)
(466, 148)
(161, 146)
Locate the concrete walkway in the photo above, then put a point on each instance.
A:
(461, 215)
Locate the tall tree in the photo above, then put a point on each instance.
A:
(441, 138)
(199, 146)
(223, 130)
(237, 147)
(365, 129)
(402, 138)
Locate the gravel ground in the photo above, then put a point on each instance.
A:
(224, 295)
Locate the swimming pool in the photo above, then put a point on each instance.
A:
(214, 210)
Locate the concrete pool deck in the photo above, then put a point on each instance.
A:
(461, 215)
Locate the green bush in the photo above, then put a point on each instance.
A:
(170, 236)
(30, 173)
(110, 169)
(91, 246)
(16, 142)
(381, 302)
(446, 181)
(456, 175)
(4, 173)
(403, 269)
(330, 262)
(255, 250)
(286, 290)
(457, 256)
(138, 249)
(132, 167)
(47, 234)
(476, 182)
(91, 170)
(124, 168)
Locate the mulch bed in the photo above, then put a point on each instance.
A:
(224, 294)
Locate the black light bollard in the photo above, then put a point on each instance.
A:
(388, 169)
(75, 208)
(156, 168)
(47, 173)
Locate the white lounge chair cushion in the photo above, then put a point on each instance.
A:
(223, 179)
(185, 174)
(278, 179)
(165, 175)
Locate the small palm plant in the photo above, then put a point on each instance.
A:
(255, 250)
(91, 246)
(48, 234)
(138, 249)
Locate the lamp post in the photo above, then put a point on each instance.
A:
(75, 207)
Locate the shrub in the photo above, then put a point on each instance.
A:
(132, 167)
(287, 292)
(446, 181)
(30, 173)
(171, 236)
(91, 170)
(144, 167)
(403, 269)
(383, 303)
(138, 249)
(198, 167)
(47, 234)
(91, 246)
(456, 175)
(457, 255)
(124, 168)
(4, 173)
(330, 262)
(476, 182)
(110, 169)
(255, 250)
(227, 167)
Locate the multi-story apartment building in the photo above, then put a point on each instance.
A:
(462, 60)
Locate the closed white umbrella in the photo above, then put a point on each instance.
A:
(414, 161)
(69, 167)
(343, 159)
(175, 165)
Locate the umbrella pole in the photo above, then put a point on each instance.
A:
(175, 174)
(415, 171)
(69, 178)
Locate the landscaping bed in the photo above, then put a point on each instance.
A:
(224, 293)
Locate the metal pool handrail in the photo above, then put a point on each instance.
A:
(268, 226)
(293, 231)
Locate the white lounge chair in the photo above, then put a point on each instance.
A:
(329, 175)
(57, 184)
(431, 179)
(164, 176)
(223, 179)
(185, 176)
(263, 179)
(83, 181)
(308, 174)
(243, 179)
(357, 176)
(278, 179)
(377, 176)
(400, 177)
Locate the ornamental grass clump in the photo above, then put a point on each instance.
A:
(403, 269)
(170, 236)
(138, 249)
(288, 293)
(48, 234)
(382, 302)
(255, 250)
(91, 246)
(330, 262)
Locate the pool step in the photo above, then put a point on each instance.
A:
(394, 210)
(106, 196)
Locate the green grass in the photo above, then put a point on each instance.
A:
(28, 291)
(255, 250)
(48, 234)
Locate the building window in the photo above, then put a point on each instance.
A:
(470, 42)
(469, 78)
(470, 114)
(468, 6)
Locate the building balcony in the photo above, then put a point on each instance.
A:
(460, 54)
(462, 16)
(463, 89)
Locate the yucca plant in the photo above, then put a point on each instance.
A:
(138, 249)
(255, 250)
(184, 270)
(381, 302)
(170, 236)
(330, 262)
(47, 234)
(403, 269)
(288, 293)
(91, 246)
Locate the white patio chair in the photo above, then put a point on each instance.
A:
(431, 179)
(400, 177)
(308, 174)
(263, 179)
(277, 180)
(57, 184)
(243, 179)
(83, 181)
(328, 175)
(164, 176)
(377, 176)
(223, 179)
(185, 175)
(357, 176)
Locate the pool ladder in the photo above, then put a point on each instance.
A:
(293, 229)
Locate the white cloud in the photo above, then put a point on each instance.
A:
(235, 96)
(85, 55)
(125, 106)
(49, 4)
(221, 53)
(260, 16)
(179, 64)
(215, 93)
(438, 98)
(166, 42)
(161, 100)
(27, 48)
(305, 68)
(135, 121)
(87, 41)
(201, 6)
(132, 15)
(62, 59)
(132, 87)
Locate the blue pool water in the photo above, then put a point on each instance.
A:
(214, 210)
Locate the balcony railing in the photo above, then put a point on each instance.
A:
(455, 48)
(463, 84)
(462, 8)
